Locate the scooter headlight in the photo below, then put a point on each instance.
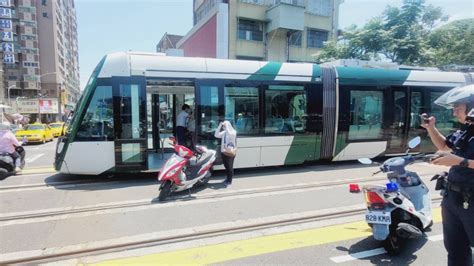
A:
(172, 172)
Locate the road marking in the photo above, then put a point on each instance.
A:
(258, 246)
(34, 158)
(436, 238)
(359, 255)
(43, 170)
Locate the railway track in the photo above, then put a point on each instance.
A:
(197, 234)
(179, 197)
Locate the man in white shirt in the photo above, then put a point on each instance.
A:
(181, 123)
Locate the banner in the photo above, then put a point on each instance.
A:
(26, 106)
(48, 106)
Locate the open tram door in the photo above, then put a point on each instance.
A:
(130, 125)
(165, 99)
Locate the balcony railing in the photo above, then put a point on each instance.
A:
(288, 2)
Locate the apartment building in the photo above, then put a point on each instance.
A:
(273, 30)
(59, 57)
(39, 54)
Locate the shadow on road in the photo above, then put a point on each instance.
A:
(407, 255)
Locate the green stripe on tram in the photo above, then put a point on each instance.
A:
(267, 72)
(359, 76)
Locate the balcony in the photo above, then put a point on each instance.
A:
(286, 14)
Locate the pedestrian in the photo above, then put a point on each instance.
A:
(8, 143)
(192, 129)
(457, 151)
(228, 137)
(181, 124)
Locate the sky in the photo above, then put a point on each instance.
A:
(106, 26)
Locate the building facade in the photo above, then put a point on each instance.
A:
(270, 30)
(39, 56)
(59, 57)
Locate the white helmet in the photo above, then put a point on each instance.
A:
(464, 94)
(5, 126)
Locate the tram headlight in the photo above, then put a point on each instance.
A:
(60, 147)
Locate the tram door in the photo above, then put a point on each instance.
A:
(130, 126)
(398, 120)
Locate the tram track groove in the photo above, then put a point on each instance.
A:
(82, 251)
(196, 197)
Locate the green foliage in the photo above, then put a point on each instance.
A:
(406, 35)
(453, 43)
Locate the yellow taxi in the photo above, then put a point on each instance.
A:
(57, 129)
(35, 133)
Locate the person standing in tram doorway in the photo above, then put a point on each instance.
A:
(457, 151)
(191, 130)
(228, 137)
(181, 124)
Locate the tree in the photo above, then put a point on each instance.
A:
(399, 34)
(453, 43)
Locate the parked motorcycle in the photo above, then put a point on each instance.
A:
(7, 163)
(185, 168)
(402, 208)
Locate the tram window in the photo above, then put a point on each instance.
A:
(366, 115)
(97, 124)
(415, 109)
(445, 121)
(285, 109)
(242, 108)
(209, 109)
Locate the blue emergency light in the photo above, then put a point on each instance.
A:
(392, 187)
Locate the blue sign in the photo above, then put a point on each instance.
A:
(8, 47)
(6, 3)
(6, 36)
(5, 12)
(5, 24)
(8, 58)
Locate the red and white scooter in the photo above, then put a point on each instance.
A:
(185, 169)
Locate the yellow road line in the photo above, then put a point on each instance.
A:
(42, 170)
(256, 246)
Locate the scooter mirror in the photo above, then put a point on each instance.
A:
(414, 142)
(365, 161)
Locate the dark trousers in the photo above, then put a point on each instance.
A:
(180, 135)
(229, 166)
(458, 229)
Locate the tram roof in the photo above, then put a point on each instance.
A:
(154, 65)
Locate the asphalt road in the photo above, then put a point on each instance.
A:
(40, 155)
(48, 213)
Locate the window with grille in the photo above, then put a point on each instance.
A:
(316, 38)
(250, 30)
(295, 38)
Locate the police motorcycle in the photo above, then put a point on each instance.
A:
(185, 168)
(401, 209)
(7, 163)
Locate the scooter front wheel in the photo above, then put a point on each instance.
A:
(165, 190)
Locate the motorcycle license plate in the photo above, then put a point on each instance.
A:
(372, 217)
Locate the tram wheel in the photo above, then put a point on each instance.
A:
(165, 191)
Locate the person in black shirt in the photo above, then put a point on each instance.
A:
(457, 151)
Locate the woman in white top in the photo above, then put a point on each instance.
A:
(228, 137)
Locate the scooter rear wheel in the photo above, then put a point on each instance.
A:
(165, 190)
(393, 243)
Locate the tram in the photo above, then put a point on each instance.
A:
(284, 113)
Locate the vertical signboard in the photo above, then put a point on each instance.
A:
(6, 34)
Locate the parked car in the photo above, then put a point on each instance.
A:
(57, 128)
(35, 133)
